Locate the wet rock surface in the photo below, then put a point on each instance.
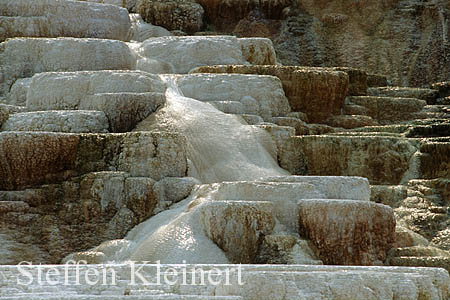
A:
(104, 159)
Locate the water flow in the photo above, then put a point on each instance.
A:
(221, 147)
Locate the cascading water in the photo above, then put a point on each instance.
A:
(221, 147)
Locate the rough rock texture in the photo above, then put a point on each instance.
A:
(443, 88)
(429, 95)
(170, 190)
(52, 18)
(55, 220)
(61, 54)
(96, 187)
(351, 121)
(424, 256)
(407, 238)
(318, 92)
(216, 212)
(444, 101)
(357, 81)
(419, 128)
(421, 261)
(186, 53)
(283, 195)
(321, 33)
(421, 207)
(391, 195)
(301, 128)
(153, 154)
(124, 110)
(225, 14)
(435, 163)
(238, 227)
(6, 110)
(37, 157)
(383, 160)
(58, 121)
(258, 51)
(70, 192)
(284, 192)
(406, 40)
(18, 93)
(255, 25)
(259, 95)
(132, 5)
(348, 232)
(43, 157)
(281, 248)
(185, 15)
(376, 80)
(68, 90)
(388, 110)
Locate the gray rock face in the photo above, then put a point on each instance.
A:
(18, 93)
(6, 110)
(171, 190)
(429, 95)
(387, 110)
(184, 15)
(154, 154)
(124, 110)
(331, 33)
(58, 121)
(52, 18)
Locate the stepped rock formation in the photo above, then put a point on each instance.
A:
(172, 151)
(60, 54)
(53, 18)
(317, 92)
(406, 40)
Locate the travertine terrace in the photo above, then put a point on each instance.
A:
(159, 148)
